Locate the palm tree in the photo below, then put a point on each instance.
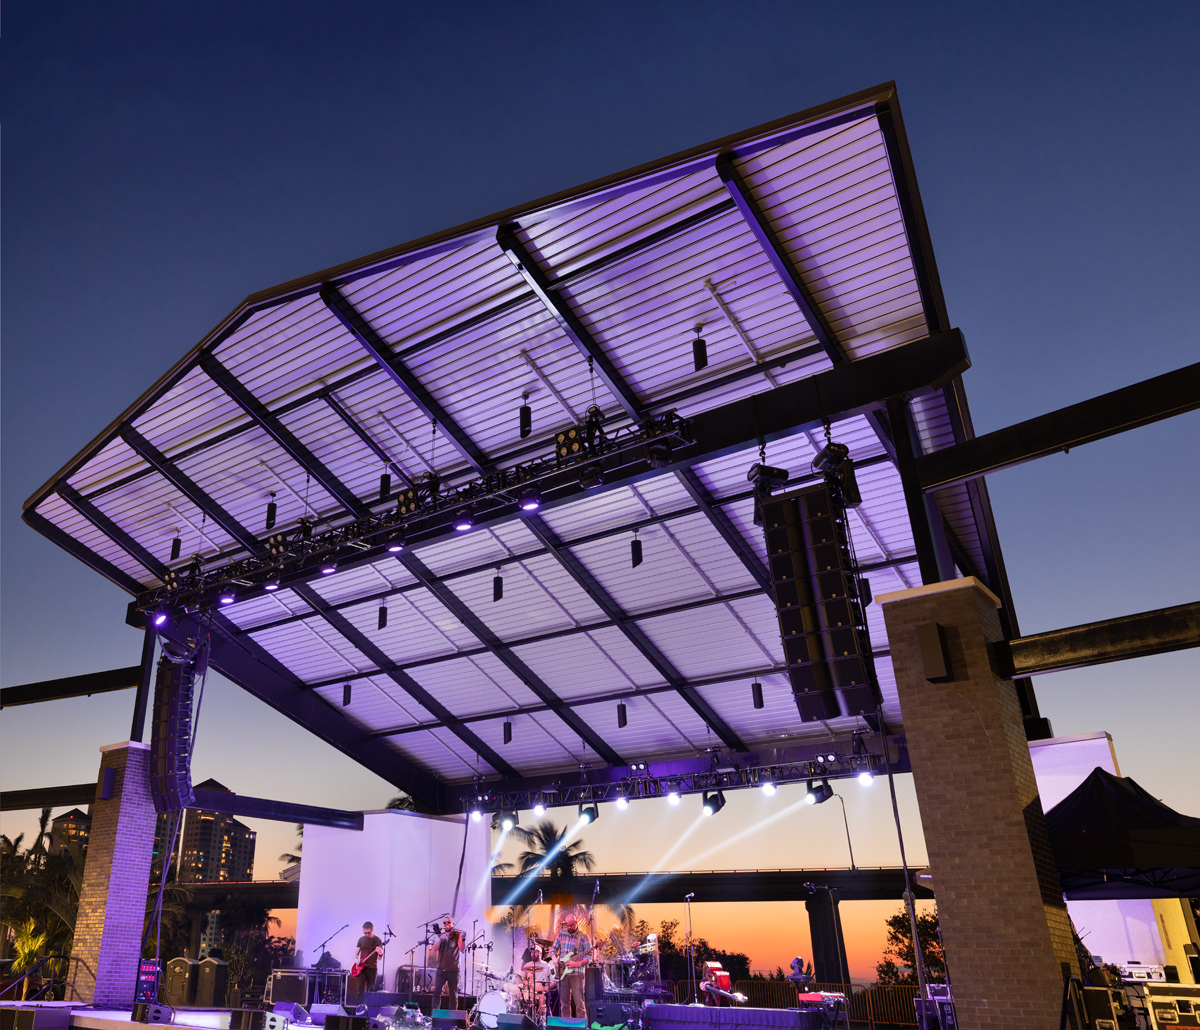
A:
(292, 858)
(403, 803)
(547, 839)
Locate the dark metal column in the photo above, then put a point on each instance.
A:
(933, 553)
(825, 928)
(145, 684)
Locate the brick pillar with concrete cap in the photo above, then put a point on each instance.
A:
(116, 877)
(1003, 919)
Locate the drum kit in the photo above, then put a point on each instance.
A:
(527, 991)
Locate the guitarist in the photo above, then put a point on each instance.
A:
(573, 950)
(366, 966)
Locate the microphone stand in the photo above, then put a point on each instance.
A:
(382, 975)
(691, 954)
(327, 940)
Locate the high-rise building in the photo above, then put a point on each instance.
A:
(73, 826)
(215, 846)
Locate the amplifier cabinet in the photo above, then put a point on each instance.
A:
(289, 985)
(1172, 1005)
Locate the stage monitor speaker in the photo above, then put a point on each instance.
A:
(180, 982)
(160, 1014)
(593, 984)
(515, 1021)
(445, 1019)
(282, 1020)
(211, 982)
(612, 1013)
(171, 737)
(292, 1011)
(322, 1011)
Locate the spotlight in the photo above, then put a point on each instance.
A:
(525, 419)
(768, 788)
(530, 498)
(160, 615)
(622, 802)
(272, 582)
(228, 595)
(346, 695)
(476, 815)
(589, 813)
(508, 820)
(272, 511)
(699, 351)
(464, 520)
(328, 566)
(830, 456)
(673, 797)
(382, 622)
(591, 476)
(395, 542)
(277, 543)
(539, 809)
(385, 485)
(406, 501)
(713, 803)
(767, 477)
(622, 716)
(866, 776)
(658, 454)
(756, 693)
(819, 793)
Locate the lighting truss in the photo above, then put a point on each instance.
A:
(298, 554)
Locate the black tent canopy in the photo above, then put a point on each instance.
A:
(1111, 839)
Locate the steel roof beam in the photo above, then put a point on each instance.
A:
(352, 424)
(170, 471)
(724, 526)
(110, 529)
(568, 321)
(632, 631)
(85, 554)
(71, 686)
(410, 686)
(374, 344)
(283, 436)
(1130, 407)
(455, 605)
(226, 802)
(48, 797)
(258, 672)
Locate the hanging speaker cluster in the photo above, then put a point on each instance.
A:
(171, 737)
(820, 613)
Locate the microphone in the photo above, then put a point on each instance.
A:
(688, 897)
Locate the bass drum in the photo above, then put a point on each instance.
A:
(491, 1005)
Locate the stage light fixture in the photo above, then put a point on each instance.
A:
(464, 521)
(476, 815)
(382, 621)
(810, 795)
(525, 416)
(756, 694)
(658, 454)
(819, 793)
(272, 582)
(277, 543)
(589, 813)
(590, 477)
(385, 485)
(635, 551)
(508, 820)
(768, 788)
(272, 511)
(622, 802)
(530, 498)
(673, 797)
(346, 695)
(866, 776)
(176, 548)
(160, 615)
(507, 731)
(713, 803)
(228, 595)
(699, 351)
(395, 542)
(406, 502)
(622, 716)
(328, 566)
(539, 809)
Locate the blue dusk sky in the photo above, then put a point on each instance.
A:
(163, 161)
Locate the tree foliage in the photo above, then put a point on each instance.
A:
(898, 965)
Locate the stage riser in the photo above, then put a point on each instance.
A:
(688, 1017)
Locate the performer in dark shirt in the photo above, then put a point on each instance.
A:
(446, 950)
(365, 968)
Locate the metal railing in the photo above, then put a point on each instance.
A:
(49, 985)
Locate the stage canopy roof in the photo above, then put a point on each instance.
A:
(799, 247)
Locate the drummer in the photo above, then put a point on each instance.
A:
(536, 974)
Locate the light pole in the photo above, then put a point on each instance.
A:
(847, 822)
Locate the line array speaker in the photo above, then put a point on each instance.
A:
(818, 604)
(171, 737)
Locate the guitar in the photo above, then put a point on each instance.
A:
(360, 965)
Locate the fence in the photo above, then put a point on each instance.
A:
(877, 1005)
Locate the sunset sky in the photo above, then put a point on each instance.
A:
(163, 161)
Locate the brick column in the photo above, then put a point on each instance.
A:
(1003, 919)
(116, 877)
